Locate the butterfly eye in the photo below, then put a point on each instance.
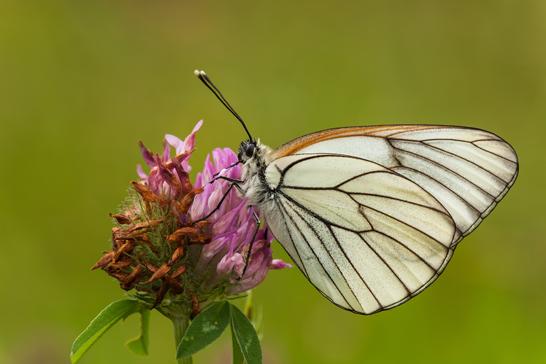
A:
(249, 151)
(246, 150)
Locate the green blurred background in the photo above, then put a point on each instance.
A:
(82, 82)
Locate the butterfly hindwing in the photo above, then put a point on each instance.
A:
(366, 237)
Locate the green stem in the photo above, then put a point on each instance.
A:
(180, 325)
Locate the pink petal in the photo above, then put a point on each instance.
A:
(175, 142)
(190, 139)
(147, 155)
(279, 264)
(140, 172)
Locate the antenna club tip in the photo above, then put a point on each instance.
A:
(199, 73)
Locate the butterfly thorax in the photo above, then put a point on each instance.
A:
(255, 158)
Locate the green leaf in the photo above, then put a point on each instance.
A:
(111, 314)
(139, 345)
(236, 350)
(245, 336)
(204, 329)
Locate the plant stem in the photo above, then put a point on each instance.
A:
(180, 325)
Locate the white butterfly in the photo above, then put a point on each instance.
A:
(371, 215)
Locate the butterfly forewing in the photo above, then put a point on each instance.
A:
(371, 215)
(467, 170)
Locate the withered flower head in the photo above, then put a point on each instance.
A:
(173, 245)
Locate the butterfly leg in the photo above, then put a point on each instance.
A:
(249, 252)
(232, 180)
(226, 169)
(233, 184)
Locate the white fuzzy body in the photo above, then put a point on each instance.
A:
(255, 187)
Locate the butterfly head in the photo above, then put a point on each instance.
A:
(247, 150)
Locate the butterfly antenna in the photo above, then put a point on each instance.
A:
(206, 80)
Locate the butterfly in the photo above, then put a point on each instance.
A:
(371, 215)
